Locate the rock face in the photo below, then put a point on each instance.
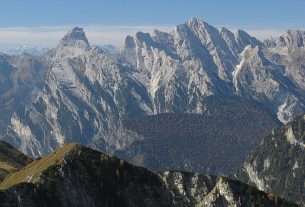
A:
(278, 164)
(150, 74)
(91, 89)
(78, 176)
(21, 78)
(197, 60)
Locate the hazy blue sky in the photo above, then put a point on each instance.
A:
(107, 21)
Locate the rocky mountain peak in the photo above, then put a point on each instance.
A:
(250, 52)
(158, 35)
(137, 40)
(229, 38)
(292, 39)
(129, 42)
(295, 38)
(142, 37)
(244, 39)
(199, 24)
(191, 25)
(75, 37)
(195, 21)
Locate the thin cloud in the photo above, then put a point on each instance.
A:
(262, 33)
(115, 35)
(266, 33)
(49, 36)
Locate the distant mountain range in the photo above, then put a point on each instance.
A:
(40, 51)
(36, 51)
(81, 93)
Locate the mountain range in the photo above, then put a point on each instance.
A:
(81, 93)
(198, 99)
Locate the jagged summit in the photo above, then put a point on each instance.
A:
(142, 36)
(194, 24)
(194, 20)
(244, 39)
(292, 39)
(296, 35)
(75, 37)
(128, 42)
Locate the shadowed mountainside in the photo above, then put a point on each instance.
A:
(79, 176)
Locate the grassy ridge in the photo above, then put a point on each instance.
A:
(11, 160)
(32, 171)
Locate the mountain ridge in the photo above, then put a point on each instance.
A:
(77, 175)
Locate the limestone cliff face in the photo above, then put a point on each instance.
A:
(84, 96)
(196, 59)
